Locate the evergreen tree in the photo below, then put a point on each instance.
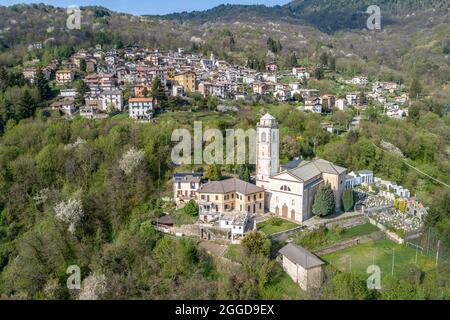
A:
(318, 73)
(42, 86)
(324, 202)
(241, 171)
(158, 92)
(348, 200)
(83, 65)
(332, 62)
(82, 88)
(416, 89)
(25, 107)
(293, 60)
(246, 176)
(324, 59)
(214, 172)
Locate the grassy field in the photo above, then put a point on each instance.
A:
(121, 116)
(353, 232)
(379, 252)
(323, 238)
(275, 225)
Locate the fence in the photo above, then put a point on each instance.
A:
(431, 243)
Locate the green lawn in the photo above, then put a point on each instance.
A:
(120, 116)
(323, 238)
(379, 252)
(353, 232)
(274, 225)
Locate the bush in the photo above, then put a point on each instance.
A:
(348, 200)
(313, 239)
(338, 230)
(191, 208)
(274, 221)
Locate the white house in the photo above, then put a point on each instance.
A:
(313, 105)
(177, 91)
(359, 81)
(352, 98)
(66, 107)
(282, 95)
(141, 108)
(341, 104)
(111, 99)
(300, 73)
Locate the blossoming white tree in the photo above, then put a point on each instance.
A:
(94, 287)
(69, 212)
(131, 160)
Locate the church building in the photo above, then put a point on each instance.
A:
(290, 193)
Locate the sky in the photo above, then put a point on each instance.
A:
(141, 7)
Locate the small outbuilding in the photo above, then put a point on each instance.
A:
(305, 268)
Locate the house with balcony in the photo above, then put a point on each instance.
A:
(185, 187)
(141, 108)
(216, 199)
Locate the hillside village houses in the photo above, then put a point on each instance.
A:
(108, 72)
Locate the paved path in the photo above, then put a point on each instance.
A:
(316, 220)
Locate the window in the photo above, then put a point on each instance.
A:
(260, 195)
(285, 188)
(203, 197)
(263, 137)
(179, 185)
(248, 198)
(217, 198)
(192, 185)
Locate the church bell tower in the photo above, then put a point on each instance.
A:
(267, 150)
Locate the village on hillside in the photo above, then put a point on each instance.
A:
(121, 79)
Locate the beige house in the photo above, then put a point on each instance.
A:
(218, 197)
(185, 187)
(64, 76)
(187, 80)
(302, 266)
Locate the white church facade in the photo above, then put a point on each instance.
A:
(290, 193)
